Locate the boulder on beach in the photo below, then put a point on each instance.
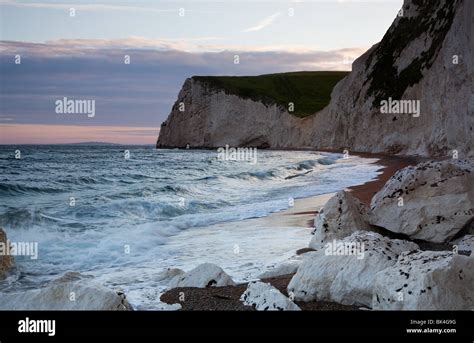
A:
(342, 215)
(264, 297)
(66, 296)
(345, 270)
(285, 268)
(426, 280)
(432, 201)
(6, 261)
(204, 275)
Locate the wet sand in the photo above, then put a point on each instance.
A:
(389, 166)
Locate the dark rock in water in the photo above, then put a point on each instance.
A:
(6, 261)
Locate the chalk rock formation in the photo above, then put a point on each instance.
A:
(213, 118)
(421, 58)
(265, 297)
(346, 272)
(66, 296)
(414, 61)
(426, 280)
(341, 216)
(438, 200)
(204, 275)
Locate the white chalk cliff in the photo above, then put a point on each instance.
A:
(426, 55)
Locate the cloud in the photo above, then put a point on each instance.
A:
(197, 44)
(263, 23)
(84, 7)
(140, 94)
(97, 6)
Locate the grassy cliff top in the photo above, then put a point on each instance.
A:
(310, 91)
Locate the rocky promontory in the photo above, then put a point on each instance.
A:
(425, 57)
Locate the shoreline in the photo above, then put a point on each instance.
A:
(389, 165)
(300, 216)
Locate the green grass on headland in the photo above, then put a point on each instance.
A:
(309, 91)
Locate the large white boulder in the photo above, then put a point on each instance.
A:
(342, 215)
(426, 280)
(345, 270)
(204, 275)
(431, 201)
(66, 296)
(264, 297)
(6, 261)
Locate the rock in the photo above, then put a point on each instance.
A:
(204, 275)
(345, 270)
(426, 280)
(58, 296)
(6, 261)
(70, 277)
(168, 274)
(438, 200)
(282, 269)
(465, 245)
(264, 297)
(211, 116)
(341, 216)
(414, 61)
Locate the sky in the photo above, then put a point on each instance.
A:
(51, 50)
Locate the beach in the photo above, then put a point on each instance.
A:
(299, 218)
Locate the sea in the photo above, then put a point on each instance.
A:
(123, 214)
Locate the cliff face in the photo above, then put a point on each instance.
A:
(416, 60)
(212, 118)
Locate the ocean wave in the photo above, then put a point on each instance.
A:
(17, 189)
(306, 165)
(139, 203)
(260, 175)
(328, 160)
(298, 175)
